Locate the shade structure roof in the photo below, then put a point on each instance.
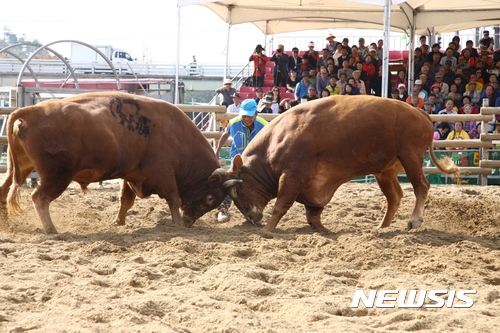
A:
(281, 16)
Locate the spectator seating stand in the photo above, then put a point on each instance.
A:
(397, 60)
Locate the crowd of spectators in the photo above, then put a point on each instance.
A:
(458, 79)
(337, 69)
(455, 74)
(296, 71)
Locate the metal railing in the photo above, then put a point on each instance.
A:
(486, 164)
(13, 66)
(397, 41)
(484, 168)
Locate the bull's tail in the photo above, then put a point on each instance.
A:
(445, 165)
(13, 205)
(13, 198)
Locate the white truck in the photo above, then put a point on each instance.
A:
(85, 59)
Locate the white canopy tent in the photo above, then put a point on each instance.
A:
(280, 16)
(411, 16)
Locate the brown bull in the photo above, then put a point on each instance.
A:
(151, 144)
(307, 153)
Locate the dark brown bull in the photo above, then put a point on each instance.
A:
(151, 144)
(307, 153)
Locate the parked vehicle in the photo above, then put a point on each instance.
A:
(87, 60)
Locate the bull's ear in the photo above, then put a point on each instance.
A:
(217, 177)
(237, 164)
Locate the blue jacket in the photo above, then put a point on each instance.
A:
(301, 89)
(242, 135)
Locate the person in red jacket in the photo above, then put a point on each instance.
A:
(259, 65)
(370, 70)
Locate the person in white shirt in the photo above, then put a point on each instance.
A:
(235, 107)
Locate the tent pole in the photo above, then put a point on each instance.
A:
(265, 33)
(411, 61)
(176, 92)
(411, 58)
(385, 61)
(227, 41)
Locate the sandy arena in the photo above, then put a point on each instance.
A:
(151, 276)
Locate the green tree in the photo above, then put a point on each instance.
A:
(9, 38)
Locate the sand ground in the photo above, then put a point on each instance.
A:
(151, 276)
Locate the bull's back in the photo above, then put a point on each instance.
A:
(343, 130)
(115, 130)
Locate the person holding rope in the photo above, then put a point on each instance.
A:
(242, 129)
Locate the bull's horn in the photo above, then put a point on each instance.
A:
(233, 193)
(231, 182)
(220, 171)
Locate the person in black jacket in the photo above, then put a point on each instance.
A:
(376, 85)
(295, 62)
(280, 74)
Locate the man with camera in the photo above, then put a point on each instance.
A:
(312, 55)
(281, 68)
(259, 65)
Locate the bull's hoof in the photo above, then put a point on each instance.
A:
(118, 222)
(255, 223)
(268, 228)
(178, 224)
(413, 225)
(51, 231)
(324, 231)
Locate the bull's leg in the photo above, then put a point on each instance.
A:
(167, 188)
(44, 194)
(127, 198)
(288, 190)
(174, 203)
(388, 183)
(313, 215)
(420, 187)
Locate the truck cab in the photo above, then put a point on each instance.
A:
(120, 55)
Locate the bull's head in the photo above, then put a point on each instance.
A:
(243, 189)
(205, 198)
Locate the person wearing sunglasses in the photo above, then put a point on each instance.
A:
(295, 62)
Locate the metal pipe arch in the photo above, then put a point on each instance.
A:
(6, 50)
(70, 68)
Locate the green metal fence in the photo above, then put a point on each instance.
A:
(462, 158)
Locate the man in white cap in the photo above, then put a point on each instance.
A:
(311, 55)
(242, 129)
(402, 94)
(331, 45)
(421, 92)
(227, 92)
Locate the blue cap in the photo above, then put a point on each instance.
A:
(248, 107)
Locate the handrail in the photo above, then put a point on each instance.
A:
(13, 66)
(236, 85)
(484, 143)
